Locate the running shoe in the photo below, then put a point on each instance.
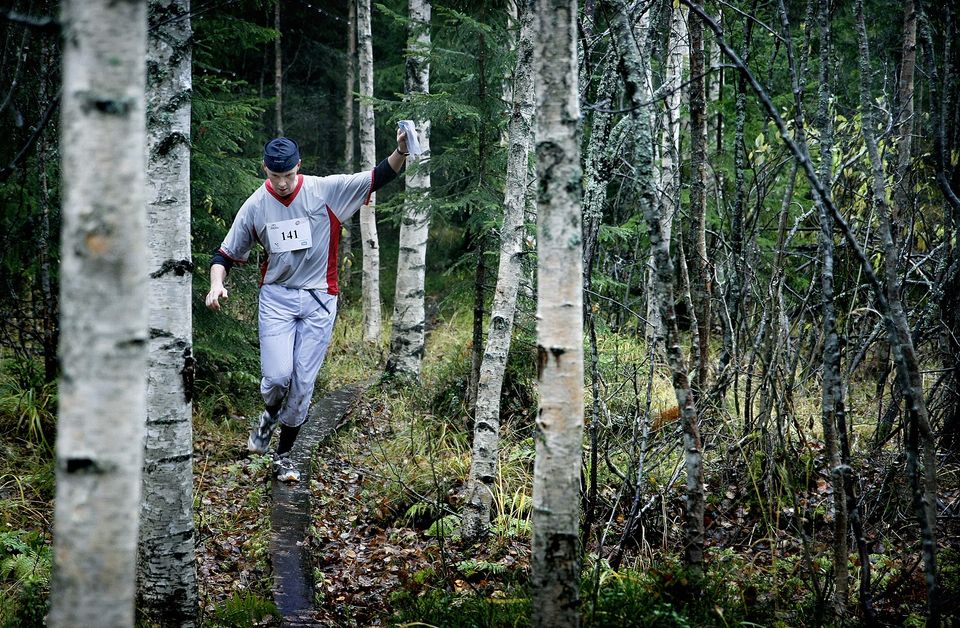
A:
(259, 440)
(285, 469)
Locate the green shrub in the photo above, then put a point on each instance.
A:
(441, 608)
(25, 562)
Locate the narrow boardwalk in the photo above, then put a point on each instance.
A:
(290, 517)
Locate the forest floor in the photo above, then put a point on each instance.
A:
(370, 549)
(362, 554)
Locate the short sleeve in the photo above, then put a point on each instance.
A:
(240, 238)
(345, 193)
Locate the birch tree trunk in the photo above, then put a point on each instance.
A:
(103, 314)
(345, 263)
(556, 472)
(486, 434)
(370, 243)
(409, 317)
(633, 73)
(277, 71)
(167, 574)
(668, 183)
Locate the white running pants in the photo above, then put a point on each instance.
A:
(294, 335)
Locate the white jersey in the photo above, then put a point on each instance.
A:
(300, 232)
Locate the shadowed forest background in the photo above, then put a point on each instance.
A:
(768, 228)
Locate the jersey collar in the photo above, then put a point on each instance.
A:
(285, 200)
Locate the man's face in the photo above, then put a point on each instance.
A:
(283, 182)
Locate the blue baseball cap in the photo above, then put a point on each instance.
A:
(281, 154)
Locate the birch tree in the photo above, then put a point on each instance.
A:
(486, 431)
(409, 317)
(103, 314)
(167, 568)
(633, 72)
(668, 183)
(370, 243)
(556, 472)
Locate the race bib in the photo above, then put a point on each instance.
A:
(289, 235)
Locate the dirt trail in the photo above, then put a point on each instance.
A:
(293, 587)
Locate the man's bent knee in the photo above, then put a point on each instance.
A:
(275, 383)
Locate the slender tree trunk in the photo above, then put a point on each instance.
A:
(599, 172)
(736, 286)
(697, 231)
(636, 87)
(103, 314)
(942, 86)
(345, 263)
(476, 338)
(167, 574)
(368, 155)
(902, 191)
(277, 71)
(556, 474)
(668, 183)
(832, 403)
(486, 435)
(715, 82)
(918, 427)
(409, 317)
(45, 152)
(349, 132)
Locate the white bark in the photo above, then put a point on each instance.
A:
(167, 575)
(103, 300)
(556, 473)
(486, 431)
(406, 342)
(668, 175)
(370, 243)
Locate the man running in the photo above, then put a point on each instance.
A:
(296, 218)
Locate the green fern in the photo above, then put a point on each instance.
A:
(243, 610)
(471, 567)
(448, 527)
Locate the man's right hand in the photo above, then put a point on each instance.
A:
(217, 276)
(214, 296)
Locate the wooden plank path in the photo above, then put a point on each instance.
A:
(293, 586)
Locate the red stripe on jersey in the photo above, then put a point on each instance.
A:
(333, 285)
(263, 269)
(286, 200)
